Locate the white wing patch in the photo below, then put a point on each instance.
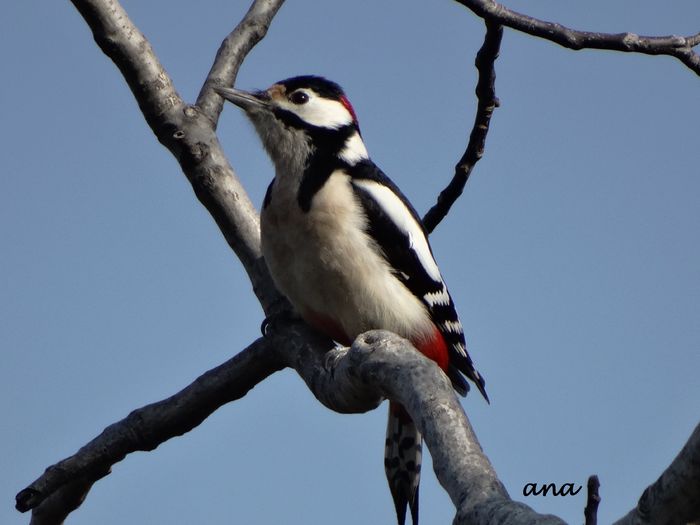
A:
(354, 150)
(460, 348)
(397, 212)
(452, 326)
(440, 297)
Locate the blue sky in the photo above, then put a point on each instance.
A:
(573, 257)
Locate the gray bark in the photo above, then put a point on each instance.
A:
(675, 496)
(189, 130)
(379, 365)
(679, 47)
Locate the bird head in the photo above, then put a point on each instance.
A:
(301, 116)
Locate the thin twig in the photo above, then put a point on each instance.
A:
(147, 427)
(676, 46)
(68, 497)
(592, 501)
(235, 47)
(486, 95)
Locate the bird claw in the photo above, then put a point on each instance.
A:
(284, 316)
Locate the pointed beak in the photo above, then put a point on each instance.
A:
(243, 99)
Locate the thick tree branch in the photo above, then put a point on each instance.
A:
(121, 41)
(675, 496)
(676, 46)
(188, 132)
(379, 365)
(64, 485)
(233, 51)
(382, 365)
(487, 102)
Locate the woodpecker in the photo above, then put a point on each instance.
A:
(348, 250)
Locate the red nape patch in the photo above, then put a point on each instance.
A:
(346, 104)
(435, 349)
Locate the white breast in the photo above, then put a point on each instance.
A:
(325, 263)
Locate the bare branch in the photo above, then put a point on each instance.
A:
(486, 95)
(56, 508)
(233, 51)
(675, 496)
(382, 365)
(675, 46)
(379, 365)
(121, 41)
(188, 133)
(147, 427)
(592, 501)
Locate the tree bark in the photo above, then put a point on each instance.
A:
(675, 496)
(676, 46)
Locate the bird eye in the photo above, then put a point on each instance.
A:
(299, 97)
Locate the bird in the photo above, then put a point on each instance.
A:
(348, 250)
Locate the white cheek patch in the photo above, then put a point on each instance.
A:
(397, 212)
(354, 150)
(320, 112)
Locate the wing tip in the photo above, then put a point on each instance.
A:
(481, 385)
(463, 365)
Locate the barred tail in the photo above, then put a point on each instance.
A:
(402, 461)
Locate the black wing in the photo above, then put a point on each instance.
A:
(399, 232)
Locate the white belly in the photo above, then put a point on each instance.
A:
(325, 263)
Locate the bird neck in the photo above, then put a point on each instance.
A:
(304, 160)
